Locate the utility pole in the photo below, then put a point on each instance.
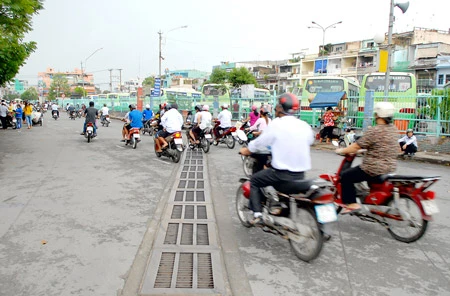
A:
(110, 79)
(160, 55)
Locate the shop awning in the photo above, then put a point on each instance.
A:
(327, 99)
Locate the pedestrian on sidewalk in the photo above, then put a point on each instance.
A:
(28, 110)
(3, 114)
(408, 143)
(328, 121)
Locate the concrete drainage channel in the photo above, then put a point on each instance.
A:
(186, 258)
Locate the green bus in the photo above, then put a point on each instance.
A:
(329, 85)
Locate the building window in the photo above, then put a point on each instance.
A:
(441, 79)
(447, 78)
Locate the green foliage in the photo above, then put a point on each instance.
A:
(30, 94)
(434, 108)
(219, 76)
(150, 81)
(58, 87)
(10, 97)
(15, 21)
(106, 92)
(238, 77)
(80, 91)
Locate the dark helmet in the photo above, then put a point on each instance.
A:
(174, 105)
(289, 102)
(198, 107)
(91, 104)
(167, 107)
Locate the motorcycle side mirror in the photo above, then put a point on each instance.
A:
(335, 143)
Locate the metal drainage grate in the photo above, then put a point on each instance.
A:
(165, 271)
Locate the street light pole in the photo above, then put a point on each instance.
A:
(403, 7)
(85, 62)
(323, 36)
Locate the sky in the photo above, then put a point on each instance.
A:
(68, 32)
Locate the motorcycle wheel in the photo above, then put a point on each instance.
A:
(177, 156)
(107, 124)
(134, 142)
(240, 142)
(244, 145)
(342, 144)
(40, 122)
(89, 138)
(205, 145)
(247, 164)
(158, 154)
(216, 142)
(412, 230)
(242, 207)
(230, 141)
(307, 248)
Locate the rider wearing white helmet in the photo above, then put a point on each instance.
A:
(380, 141)
(225, 119)
(147, 114)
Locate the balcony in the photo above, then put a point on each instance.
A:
(295, 76)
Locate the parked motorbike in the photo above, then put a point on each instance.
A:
(134, 137)
(401, 203)
(204, 140)
(299, 211)
(224, 136)
(54, 115)
(104, 120)
(89, 132)
(174, 149)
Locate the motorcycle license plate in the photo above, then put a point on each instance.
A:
(178, 141)
(136, 136)
(208, 136)
(325, 213)
(429, 207)
(234, 134)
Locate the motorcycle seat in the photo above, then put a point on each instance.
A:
(410, 178)
(299, 186)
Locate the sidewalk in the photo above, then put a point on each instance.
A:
(430, 157)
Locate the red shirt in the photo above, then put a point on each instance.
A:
(328, 119)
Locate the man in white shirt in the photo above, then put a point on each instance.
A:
(195, 130)
(3, 114)
(104, 110)
(55, 108)
(172, 121)
(225, 121)
(289, 140)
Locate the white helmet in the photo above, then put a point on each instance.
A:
(384, 109)
(225, 106)
(147, 106)
(205, 107)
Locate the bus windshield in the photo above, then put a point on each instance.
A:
(397, 83)
(324, 85)
(213, 90)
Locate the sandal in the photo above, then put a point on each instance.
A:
(351, 210)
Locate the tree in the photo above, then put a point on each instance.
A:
(238, 77)
(10, 97)
(30, 94)
(15, 21)
(219, 76)
(80, 91)
(59, 86)
(150, 81)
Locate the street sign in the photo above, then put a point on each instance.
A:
(157, 88)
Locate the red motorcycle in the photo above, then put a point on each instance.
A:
(224, 136)
(398, 202)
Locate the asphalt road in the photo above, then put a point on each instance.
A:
(360, 259)
(73, 215)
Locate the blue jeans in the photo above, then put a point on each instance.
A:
(84, 128)
(28, 118)
(19, 122)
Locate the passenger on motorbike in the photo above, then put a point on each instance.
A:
(55, 109)
(135, 118)
(126, 125)
(71, 110)
(380, 158)
(225, 121)
(289, 139)
(204, 122)
(147, 114)
(172, 122)
(195, 130)
(262, 122)
(91, 115)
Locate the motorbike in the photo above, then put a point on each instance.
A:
(72, 115)
(241, 126)
(89, 132)
(134, 137)
(54, 115)
(150, 127)
(204, 140)
(104, 120)
(400, 203)
(174, 149)
(224, 136)
(79, 113)
(300, 211)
